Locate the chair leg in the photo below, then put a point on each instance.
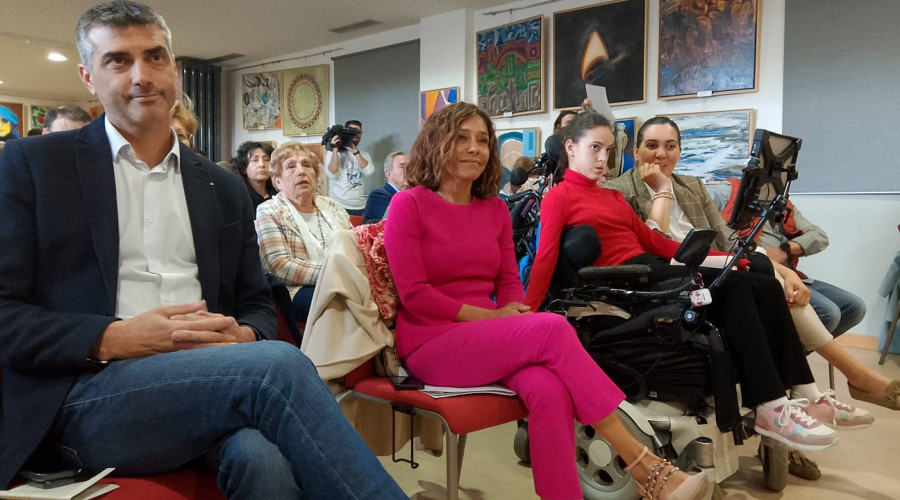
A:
(890, 336)
(830, 376)
(459, 457)
(453, 463)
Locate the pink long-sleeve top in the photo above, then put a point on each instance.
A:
(443, 255)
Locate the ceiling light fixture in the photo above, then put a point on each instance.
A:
(57, 57)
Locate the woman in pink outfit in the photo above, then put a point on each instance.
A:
(462, 321)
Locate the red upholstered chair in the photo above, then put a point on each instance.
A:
(459, 415)
(190, 483)
(356, 220)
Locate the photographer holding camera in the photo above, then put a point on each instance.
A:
(346, 165)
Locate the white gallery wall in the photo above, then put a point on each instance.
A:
(863, 228)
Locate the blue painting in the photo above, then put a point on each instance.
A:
(715, 145)
(514, 143)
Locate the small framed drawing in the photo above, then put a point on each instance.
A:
(515, 143)
(623, 154)
(715, 145)
(603, 45)
(261, 100)
(306, 100)
(510, 68)
(710, 50)
(431, 101)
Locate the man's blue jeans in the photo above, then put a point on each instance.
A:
(258, 409)
(838, 309)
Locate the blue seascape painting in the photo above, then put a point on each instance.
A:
(716, 145)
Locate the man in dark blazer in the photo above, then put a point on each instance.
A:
(132, 298)
(395, 175)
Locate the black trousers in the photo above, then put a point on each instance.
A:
(752, 313)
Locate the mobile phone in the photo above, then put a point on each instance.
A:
(50, 479)
(406, 383)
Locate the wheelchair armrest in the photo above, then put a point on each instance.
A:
(615, 275)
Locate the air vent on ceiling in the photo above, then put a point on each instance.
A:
(226, 57)
(356, 26)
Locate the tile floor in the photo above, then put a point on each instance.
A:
(862, 465)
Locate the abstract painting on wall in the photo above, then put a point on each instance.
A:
(603, 45)
(306, 100)
(622, 159)
(37, 114)
(261, 100)
(510, 64)
(431, 101)
(12, 120)
(708, 49)
(515, 143)
(715, 145)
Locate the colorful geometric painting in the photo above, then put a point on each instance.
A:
(306, 100)
(261, 100)
(715, 145)
(711, 47)
(511, 68)
(622, 159)
(37, 116)
(435, 100)
(514, 143)
(12, 120)
(603, 45)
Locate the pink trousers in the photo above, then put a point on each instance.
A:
(540, 357)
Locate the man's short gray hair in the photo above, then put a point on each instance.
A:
(118, 13)
(389, 160)
(71, 113)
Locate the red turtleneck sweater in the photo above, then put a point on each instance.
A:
(576, 201)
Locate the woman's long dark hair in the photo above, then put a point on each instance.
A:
(573, 131)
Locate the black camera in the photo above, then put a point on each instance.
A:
(347, 134)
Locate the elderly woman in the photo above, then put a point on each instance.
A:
(294, 227)
(251, 162)
(462, 320)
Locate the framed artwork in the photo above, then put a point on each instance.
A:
(271, 144)
(707, 50)
(623, 154)
(515, 143)
(36, 114)
(12, 120)
(510, 65)
(431, 101)
(261, 100)
(603, 45)
(96, 111)
(306, 100)
(715, 145)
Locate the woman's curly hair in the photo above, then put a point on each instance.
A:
(434, 148)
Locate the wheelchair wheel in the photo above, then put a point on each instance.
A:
(774, 457)
(601, 470)
(520, 444)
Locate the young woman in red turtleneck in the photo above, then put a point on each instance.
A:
(748, 307)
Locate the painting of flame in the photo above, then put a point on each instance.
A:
(510, 63)
(604, 45)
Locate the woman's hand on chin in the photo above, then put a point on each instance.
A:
(654, 177)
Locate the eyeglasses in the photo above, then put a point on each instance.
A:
(185, 136)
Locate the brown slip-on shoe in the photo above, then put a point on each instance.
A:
(890, 399)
